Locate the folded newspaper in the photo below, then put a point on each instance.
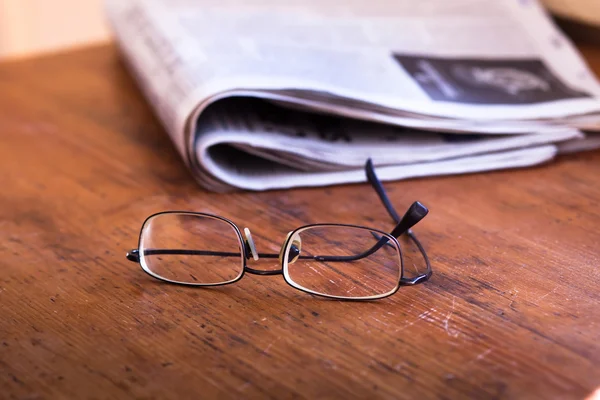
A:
(265, 94)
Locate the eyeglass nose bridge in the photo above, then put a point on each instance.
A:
(295, 248)
(250, 251)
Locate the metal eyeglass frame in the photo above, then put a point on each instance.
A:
(415, 213)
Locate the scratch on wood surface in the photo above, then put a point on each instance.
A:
(212, 382)
(514, 298)
(536, 302)
(381, 322)
(484, 354)
(266, 350)
(451, 332)
(399, 366)
(420, 317)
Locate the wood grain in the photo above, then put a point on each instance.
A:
(512, 311)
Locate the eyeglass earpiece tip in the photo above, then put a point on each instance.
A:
(418, 209)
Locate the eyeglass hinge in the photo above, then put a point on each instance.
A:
(133, 255)
(416, 280)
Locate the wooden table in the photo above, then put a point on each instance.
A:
(512, 311)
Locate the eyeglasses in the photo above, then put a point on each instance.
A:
(340, 261)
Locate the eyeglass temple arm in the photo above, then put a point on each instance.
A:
(378, 186)
(415, 213)
(422, 277)
(134, 254)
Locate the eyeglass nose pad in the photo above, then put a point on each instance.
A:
(250, 244)
(295, 248)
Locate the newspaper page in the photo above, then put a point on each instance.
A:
(308, 143)
(479, 67)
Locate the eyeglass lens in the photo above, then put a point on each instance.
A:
(191, 249)
(344, 262)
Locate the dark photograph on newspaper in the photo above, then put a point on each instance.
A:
(486, 81)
